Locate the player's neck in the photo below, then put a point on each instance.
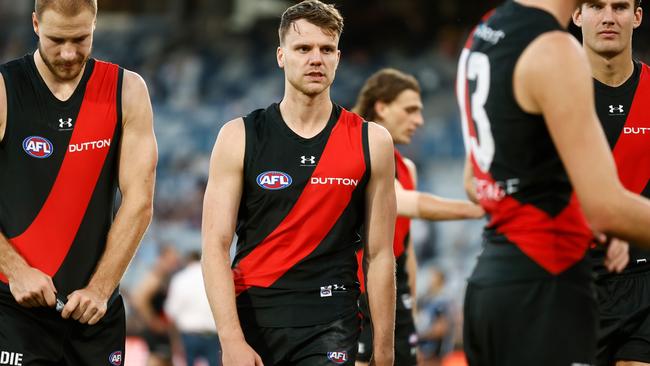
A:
(62, 89)
(306, 115)
(611, 71)
(560, 9)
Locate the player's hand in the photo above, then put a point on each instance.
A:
(618, 255)
(32, 288)
(239, 353)
(86, 306)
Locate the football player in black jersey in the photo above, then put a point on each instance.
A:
(622, 97)
(72, 130)
(251, 314)
(533, 139)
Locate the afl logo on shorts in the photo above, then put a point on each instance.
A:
(38, 147)
(338, 357)
(274, 180)
(115, 358)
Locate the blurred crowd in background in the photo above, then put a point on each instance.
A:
(207, 62)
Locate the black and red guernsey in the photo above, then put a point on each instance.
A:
(400, 248)
(519, 177)
(58, 162)
(624, 113)
(300, 218)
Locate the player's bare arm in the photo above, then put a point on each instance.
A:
(220, 207)
(468, 181)
(380, 224)
(415, 204)
(29, 286)
(553, 77)
(137, 158)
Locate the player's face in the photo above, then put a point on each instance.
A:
(309, 57)
(607, 25)
(64, 42)
(402, 117)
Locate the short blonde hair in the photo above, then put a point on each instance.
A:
(65, 7)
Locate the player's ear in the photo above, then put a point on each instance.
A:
(35, 23)
(638, 17)
(380, 109)
(577, 16)
(280, 57)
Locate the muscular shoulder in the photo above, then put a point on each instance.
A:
(135, 95)
(380, 145)
(554, 62)
(231, 143)
(378, 135)
(233, 131)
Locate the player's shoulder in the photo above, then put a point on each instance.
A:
(380, 143)
(554, 47)
(553, 57)
(233, 126)
(232, 131)
(133, 82)
(378, 134)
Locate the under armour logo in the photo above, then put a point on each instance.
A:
(311, 160)
(616, 109)
(65, 123)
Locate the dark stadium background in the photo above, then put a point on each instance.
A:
(208, 61)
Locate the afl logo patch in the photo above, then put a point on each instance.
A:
(115, 358)
(38, 147)
(339, 358)
(274, 180)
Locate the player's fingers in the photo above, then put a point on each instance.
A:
(70, 306)
(49, 296)
(88, 314)
(97, 316)
(27, 301)
(617, 263)
(622, 261)
(81, 309)
(600, 238)
(51, 284)
(38, 297)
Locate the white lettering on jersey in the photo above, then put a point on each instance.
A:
(91, 145)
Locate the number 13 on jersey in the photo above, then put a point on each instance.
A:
(475, 67)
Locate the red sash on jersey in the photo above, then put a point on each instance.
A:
(47, 240)
(402, 223)
(632, 150)
(316, 211)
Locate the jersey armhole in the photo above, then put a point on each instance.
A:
(118, 101)
(249, 133)
(366, 150)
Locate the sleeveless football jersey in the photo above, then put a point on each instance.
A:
(400, 247)
(624, 113)
(519, 177)
(300, 218)
(58, 170)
